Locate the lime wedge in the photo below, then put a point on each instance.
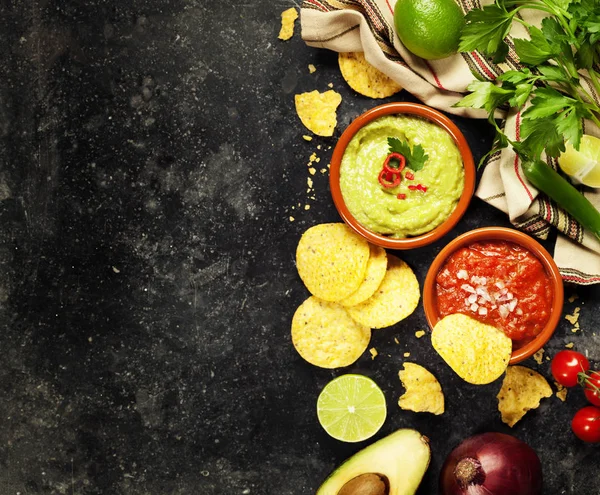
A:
(582, 165)
(351, 408)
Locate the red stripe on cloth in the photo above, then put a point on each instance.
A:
(389, 6)
(482, 66)
(580, 280)
(516, 162)
(372, 15)
(319, 5)
(437, 81)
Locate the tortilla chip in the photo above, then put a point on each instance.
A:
(522, 389)
(423, 391)
(376, 268)
(324, 334)
(317, 111)
(332, 260)
(365, 79)
(288, 17)
(477, 352)
(395, 299)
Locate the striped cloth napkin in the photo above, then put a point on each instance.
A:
(368, 26)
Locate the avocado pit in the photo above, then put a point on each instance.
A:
(366, 484)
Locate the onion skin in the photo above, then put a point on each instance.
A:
(500, 465)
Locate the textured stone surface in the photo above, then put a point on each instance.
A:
(150, 161)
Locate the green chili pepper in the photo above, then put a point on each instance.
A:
(556, 187)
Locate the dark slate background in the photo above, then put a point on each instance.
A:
(150, 159)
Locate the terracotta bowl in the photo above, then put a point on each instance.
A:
(434, 116)
(502, 234)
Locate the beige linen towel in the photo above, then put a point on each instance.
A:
(368, 26)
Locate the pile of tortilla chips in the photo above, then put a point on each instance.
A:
(355, 287)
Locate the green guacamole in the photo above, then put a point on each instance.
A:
(378, 208)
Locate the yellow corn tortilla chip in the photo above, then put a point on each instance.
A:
(423, 391)
(288, 17)
(522, 389)
(376, 268)
(396, 297)
(324, 334)
(477, 352)
(365, 79)
(332, 260)
(317, 111)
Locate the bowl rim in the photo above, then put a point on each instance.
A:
(418, 110)
(511, 235)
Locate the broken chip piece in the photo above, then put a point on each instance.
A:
(324, 334)
(288, 17)
(423, 391)
(332, 260)
(365, 79)
(522, 389)
(477, 352)
(317, 111)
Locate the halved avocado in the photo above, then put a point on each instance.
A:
(397, 464)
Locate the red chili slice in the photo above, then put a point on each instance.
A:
(409, 175)
(401, 163)
(401, 196)
(418, 187)
(389, 179)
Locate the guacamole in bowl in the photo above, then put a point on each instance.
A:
(402, 175)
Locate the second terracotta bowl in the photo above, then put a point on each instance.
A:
(500, 234)
(403, 108)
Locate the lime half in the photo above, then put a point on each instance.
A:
(582, 165)
(351, 408)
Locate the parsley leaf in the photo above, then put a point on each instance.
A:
(537, 50)
(485, 31)
(415, 158)
(486, 95)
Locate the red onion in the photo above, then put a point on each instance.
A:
(492, 464)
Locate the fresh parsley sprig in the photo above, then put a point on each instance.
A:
(415, 157)
(553, 59)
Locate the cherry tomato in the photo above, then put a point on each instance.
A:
(566, 366)
(592, 388)
(586, 424)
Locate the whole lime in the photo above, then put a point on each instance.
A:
(430, 29)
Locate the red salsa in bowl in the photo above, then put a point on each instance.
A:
(501, 277)
(497, 282)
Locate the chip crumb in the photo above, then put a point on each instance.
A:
(292, 219)
(312, 157)
(419, 333)
(323, 170)
(288, 17)
(561, 392)
(307, 137)
(311, 68)
(539, 356)
(307, 207)
(312, 170)
(330, 85)
(373, 352)
(407, 354)
(396, 340)
(573, 318)
(309, 182)
(573, 297)
(569, 345)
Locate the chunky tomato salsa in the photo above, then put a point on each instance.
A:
(499, 283)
